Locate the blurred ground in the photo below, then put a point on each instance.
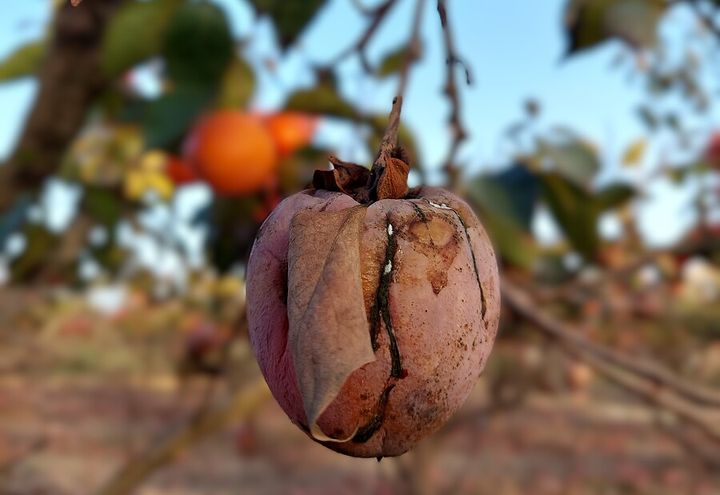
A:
(81, 392)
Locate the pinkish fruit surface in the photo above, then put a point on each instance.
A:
(371, 324)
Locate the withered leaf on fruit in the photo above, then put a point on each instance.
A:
(372, 308)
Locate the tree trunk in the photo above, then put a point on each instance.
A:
(69, 81)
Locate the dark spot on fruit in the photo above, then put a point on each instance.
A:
(366, 431)
(436, 239)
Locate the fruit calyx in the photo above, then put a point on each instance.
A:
(387, 179)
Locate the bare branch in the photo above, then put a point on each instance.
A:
(659, 376)
(377, 16)
(457, 129)
(695, 404)
(68, 83)
(138, 469)
(706, 18)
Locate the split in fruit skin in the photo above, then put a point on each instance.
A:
(372, 308)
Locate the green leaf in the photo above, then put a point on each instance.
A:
(136, 34)
(591, 22)
(614, 196)
(237, 86)
(515, 246)
(103, 206)
(198, 45)
(392, 62)
(24, 61)
(574, 210)
(290, 17)
(506, 203)
(167, 118)
(571, 157)
(39, 245)
(512, 193)
(322, 99)
(12, 220)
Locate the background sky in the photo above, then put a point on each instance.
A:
(514, 49)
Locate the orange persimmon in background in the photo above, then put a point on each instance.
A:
(290, 130)
(232, 151)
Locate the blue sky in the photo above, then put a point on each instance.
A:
(513, 48)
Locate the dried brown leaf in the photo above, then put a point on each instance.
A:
(393, 181)
(329, 335)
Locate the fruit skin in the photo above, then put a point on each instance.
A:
(290, 130)
(232, 151)
(435, 304)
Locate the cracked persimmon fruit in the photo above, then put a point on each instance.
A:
(372, 307)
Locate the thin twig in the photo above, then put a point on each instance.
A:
(377, 15)
(139, 468)
(390, 138)
(648, 381)
(705, 17)
(388, 144)
(458, 132)
(413, 47)
(659, 376)
(9, 464)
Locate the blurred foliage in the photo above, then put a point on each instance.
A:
(24, 61)
(132, 163)
(126, 160)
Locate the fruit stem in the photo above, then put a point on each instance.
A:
(390, 138)
(388, 150)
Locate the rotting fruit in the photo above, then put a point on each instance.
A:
(372, 308)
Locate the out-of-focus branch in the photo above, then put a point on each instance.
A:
(69, 81)
(706, 18)
(9, 464)
(649, 381)
(389, 140)
(660, 377)
(457, 129)
(377, 16)
(139, 468)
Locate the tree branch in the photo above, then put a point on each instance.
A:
(388, 144)
(458, 132)
(659, 376)
(705, 17)
(695, 404)
(377, 16)
(69, 81)
(139, 468)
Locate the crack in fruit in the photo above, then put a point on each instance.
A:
(381, 308)
(472, 254)
(419, 211)
(365, 432)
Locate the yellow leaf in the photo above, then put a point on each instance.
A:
(153, 161)
(135, 185)
(635, 152)
(160, 183)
